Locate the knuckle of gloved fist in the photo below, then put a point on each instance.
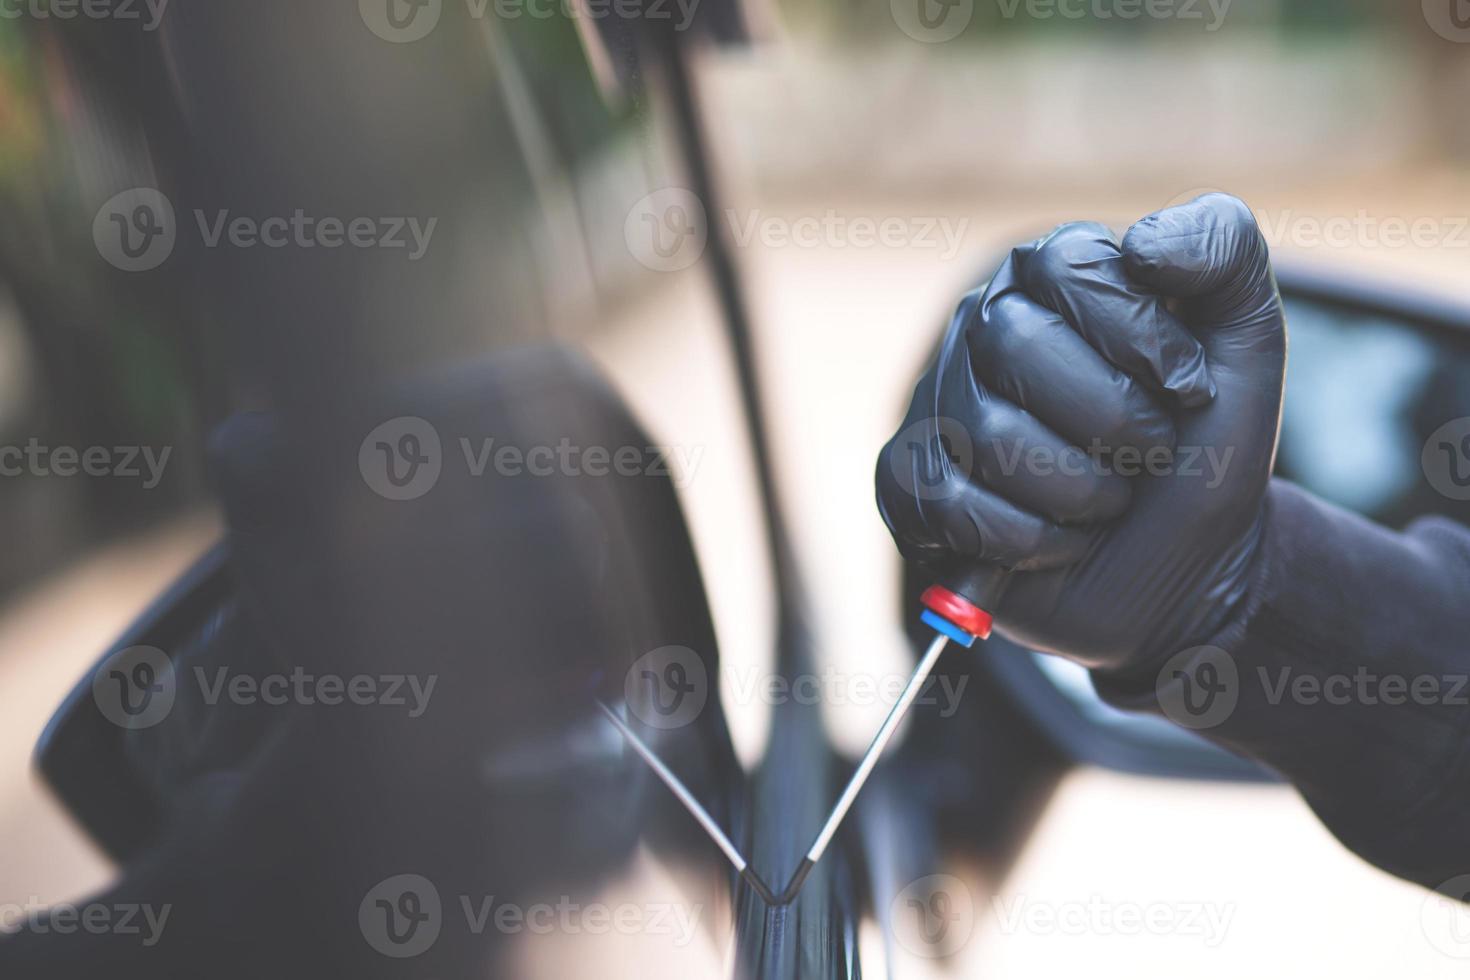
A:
(1135, 422)
(1235, 223)
(1230, 212)
(1021, 542)
(913, 546)
(1184, 247)
(989, 533)
(922, 466)
(1069, 503)
(1098, 497)
(1000, 427)
(957, 530)
(1011, 342)
(1006, 331)
(965, 309)
(1069, 249)
(1065, 484)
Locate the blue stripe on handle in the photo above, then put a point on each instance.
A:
(949, 629)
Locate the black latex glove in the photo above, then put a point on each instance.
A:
(1070, 371)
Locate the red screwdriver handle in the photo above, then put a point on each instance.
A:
(966, 598)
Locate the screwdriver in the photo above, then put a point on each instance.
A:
(958, 608)
(955, 610)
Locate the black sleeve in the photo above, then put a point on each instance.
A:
(1350, 658)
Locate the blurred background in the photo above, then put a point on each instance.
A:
(875, 160)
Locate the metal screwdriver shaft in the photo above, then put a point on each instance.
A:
(869, 761)
(954, 616)
(677, 787)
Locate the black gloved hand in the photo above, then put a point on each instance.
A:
(1040, 437)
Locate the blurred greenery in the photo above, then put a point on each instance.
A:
(22, 119)
(1006, 20)
(550, 53)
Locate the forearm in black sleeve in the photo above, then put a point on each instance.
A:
(1351, 655)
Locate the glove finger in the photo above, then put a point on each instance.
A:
(1211, 253)
(958, 432)
(974, 522)
(1022, 459)
(929, 476)
(1028, 355)
(1078, 271)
